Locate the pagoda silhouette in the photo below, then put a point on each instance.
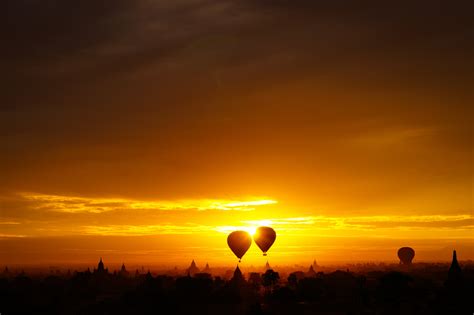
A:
(454, 269)
(238, 277)
(267, 266)
(311, 272)
(123, 271)
(193, 269)
(6, 272)
(101, 268)
(455, 277)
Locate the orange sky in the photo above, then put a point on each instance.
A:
(145, 132)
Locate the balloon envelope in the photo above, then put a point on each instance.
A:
(264, 238)
(406, 255)
(239, 242)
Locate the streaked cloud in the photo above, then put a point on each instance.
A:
(360, 223)
(143, 230)
(460, 226)
(2, 235)
(9, 222)
(121, 217)
(393, 136)
(74, 204)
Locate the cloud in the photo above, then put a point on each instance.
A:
(61, 216)
(12, 235)
(143, 230)
(96, 89)
(9, 222)
(99, 37)
(461, 222)
(394, 136)
(74, 204)
(303, 225)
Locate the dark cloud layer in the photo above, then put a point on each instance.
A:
(89, 38)
(207, 97)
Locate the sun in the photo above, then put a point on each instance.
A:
(249, 227)
(252, 229)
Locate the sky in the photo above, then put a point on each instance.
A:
(146, 131)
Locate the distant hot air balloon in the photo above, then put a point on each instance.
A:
(406, 255)
(264, 238)
(239, 242)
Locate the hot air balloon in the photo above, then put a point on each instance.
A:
(406, 255)
(264, 238)
(239, 242)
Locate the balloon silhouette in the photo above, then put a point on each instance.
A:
(406, 255)
(239, 242)
(264, 238)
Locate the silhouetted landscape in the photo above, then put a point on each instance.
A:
(422, 288)
(230, 157)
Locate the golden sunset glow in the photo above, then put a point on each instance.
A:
(197, 225)
(180, 122)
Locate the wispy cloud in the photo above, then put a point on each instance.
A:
(2, 235)
(307, 225)
(74, 204)
(393, 136)
(121, 217)
(9, 222)
(143, 230)
(359, 223)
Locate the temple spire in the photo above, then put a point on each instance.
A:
(193, 269)
(267, 266)
(454, 269)
(238, 276)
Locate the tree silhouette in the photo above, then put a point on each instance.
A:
(270, 278)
